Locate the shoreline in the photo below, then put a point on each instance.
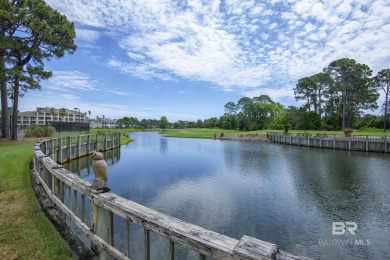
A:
(247, 137)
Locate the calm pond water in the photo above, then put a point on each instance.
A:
(286, 195)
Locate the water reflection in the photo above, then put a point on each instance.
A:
(283, 194)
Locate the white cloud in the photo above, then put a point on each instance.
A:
(89, 36)
(70, 80)
(276, 94)
(236, 44)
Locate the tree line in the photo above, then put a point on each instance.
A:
(341, 94)
(30, 33)
(334, 99)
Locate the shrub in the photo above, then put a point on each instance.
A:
(348, 131)
(104, 131)
(40, 131)
(286, 127)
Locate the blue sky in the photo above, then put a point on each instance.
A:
(187, 59)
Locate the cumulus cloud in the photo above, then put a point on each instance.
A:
(236, 44)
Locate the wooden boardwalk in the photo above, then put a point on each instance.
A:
(71, 194)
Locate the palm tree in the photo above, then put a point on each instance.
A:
(63, 112)
(52, 112)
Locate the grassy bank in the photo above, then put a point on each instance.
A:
(25, 232)
(211, 133)
(125, 139)
(200, 132)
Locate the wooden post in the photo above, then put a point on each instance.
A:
(53, 185)
(44, 174)
(110, 227)
(50, 178)
(59, 156)
(79, 147)
(69, 152)
(105, 142)
(126, 237)
(69, 198)
(366, 143)
(146, 244)
(83, 208)
(202, 256)
(43, 147)
(75, 203)
(51, 151)
(385, 143)
(334, 141)
(349, 143)
(62, 196)
(171, 250)
(88, 144)
(101, 225)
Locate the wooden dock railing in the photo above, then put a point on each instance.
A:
(71, 194)
(364, 143)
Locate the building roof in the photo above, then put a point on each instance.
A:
(27, 113)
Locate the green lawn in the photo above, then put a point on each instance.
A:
(209, 133)
(25, 232)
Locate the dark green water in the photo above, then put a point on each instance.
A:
(286, 195)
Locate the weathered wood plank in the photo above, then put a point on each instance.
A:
(100, 225)
(252, 248)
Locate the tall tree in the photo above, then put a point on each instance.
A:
(323, 84)
(245, 116)
(5, 28)
(35, 33)
(382, 80)
(305, 90)
(352, 83)
(164, 124)
(230, 108)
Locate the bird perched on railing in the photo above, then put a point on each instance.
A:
(100, 169)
